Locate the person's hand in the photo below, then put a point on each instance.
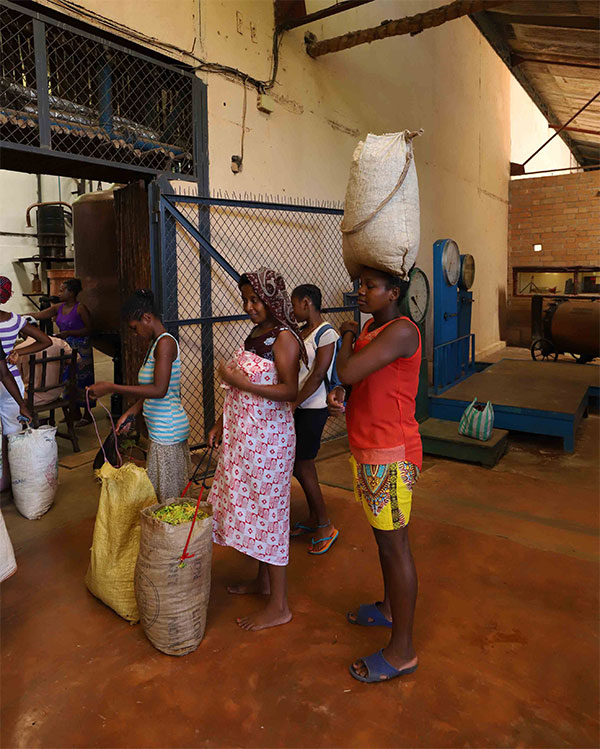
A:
(351, 325)
(335, 401)
(100, 389)
(13, 358)
(24, 411)
(121, 426)
(232, 375)
(215, 436)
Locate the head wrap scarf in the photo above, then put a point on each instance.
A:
(5, 289)
(269, 287)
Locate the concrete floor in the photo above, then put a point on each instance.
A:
(506, 627)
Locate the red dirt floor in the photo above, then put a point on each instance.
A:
(506, 626)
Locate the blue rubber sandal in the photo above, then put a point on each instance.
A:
(368, 615)
(329, 539)
(302, 528)
(378, 669)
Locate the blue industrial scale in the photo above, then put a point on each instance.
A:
(453, 342)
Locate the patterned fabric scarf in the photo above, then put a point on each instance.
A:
(5, 289)
(269, 286)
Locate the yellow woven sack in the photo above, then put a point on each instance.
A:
(125, 492)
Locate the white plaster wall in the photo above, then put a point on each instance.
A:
(529, 129)
(17, 191)
(447, 80)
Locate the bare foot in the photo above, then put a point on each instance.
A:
(398, 663)
(268, 617)
(251, 587)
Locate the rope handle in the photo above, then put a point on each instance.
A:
(184, 554)
(112, 423)
(408, 136)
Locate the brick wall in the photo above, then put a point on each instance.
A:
(562, 213)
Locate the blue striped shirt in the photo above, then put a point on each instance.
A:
(9, 332)
(165, 418)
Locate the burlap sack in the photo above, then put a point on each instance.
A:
(8, 565)
(125, 491)
(173, 600)
(33, 461)
(381, 224)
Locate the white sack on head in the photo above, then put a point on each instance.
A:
(380, 228)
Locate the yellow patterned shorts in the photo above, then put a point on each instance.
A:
(385, 492)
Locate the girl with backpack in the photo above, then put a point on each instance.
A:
(310, 414)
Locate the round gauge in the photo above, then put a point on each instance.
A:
(467, 272)
(451, 262)
(418, 296)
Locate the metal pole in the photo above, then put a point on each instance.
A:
(587, 104)
(319, 14)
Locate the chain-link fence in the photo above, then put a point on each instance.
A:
(18, 91)
(201, 299)
(92, 98)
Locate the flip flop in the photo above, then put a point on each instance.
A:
(329, 539)
(378, 669)
(368, 615)
(301, 528)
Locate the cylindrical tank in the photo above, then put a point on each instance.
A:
(576, 328)
(52, 236)
(97, 264)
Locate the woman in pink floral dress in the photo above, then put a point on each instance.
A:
(251, 490)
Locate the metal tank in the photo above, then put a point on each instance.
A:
(566, 327)
(97, 265)
(576, 328)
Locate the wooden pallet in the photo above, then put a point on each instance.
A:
(442, 438)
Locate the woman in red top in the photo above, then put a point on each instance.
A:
(381, 366)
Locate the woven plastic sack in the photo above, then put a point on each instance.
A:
(8, 564)
(125, 492)
(381, 224)
(477, 421)
(33, 461)
(173, 599)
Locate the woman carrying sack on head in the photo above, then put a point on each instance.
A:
(159, 397)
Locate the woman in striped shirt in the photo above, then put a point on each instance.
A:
(11, 327)
(159, 398)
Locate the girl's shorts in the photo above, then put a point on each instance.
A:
(309, 423)
(385, 492)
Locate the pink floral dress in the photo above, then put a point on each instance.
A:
(251, 489)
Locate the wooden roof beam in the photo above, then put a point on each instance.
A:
(491, 30)
(408, 25)
(555, 22)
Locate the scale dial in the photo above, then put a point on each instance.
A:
(467, 272)
(451, 262)
(418, 296)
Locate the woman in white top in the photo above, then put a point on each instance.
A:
(310, 414)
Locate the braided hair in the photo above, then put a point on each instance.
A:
(140, 303)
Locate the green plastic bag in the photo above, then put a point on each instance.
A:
(477, 421)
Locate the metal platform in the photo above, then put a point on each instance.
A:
(527, 396)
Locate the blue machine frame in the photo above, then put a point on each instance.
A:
(453, 348)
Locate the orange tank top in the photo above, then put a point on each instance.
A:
(380, 414)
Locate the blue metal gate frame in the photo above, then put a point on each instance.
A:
(167, 214)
